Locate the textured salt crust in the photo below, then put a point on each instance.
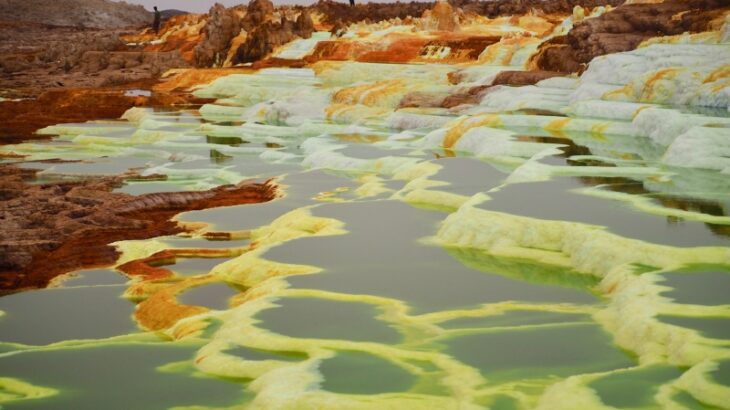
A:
(701, 147)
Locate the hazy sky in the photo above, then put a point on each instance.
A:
(200, 6)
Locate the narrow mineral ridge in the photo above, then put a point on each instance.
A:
(507, 204)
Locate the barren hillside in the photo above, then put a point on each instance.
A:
(84, 13)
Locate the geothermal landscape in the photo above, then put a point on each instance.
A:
(508, 204)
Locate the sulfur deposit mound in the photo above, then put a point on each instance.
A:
(50, 229)
(624, 28)
(76, 13)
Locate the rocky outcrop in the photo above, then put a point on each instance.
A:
(222, 26)
(304, 26)
(460, 96)
(523, 77)
(623, 29)
(257, 13)
(498, 8)
(470, 95)
(442, 17)
(51, 229)
(76, 13)
(418, 99)
(264, 37)
(35, 58)
(473, 94)
(263, 33)
(338, 29)
(334, 11)
(262, 41)
(27, 45)
(96, 61)
(181, 33)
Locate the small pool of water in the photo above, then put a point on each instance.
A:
(557, 200)
(327, 319)
(54, 315)
(539, 352)
(123, 377)
(383, 256)
(212, 296)
(362, 373)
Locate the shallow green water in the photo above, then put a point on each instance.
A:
(388, 274)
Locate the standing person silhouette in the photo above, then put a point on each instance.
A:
(352, 3)
(156, 22)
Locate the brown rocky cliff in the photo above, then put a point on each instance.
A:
(623, 29)
(222, 26)
(266, 35)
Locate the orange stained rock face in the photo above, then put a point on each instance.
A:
(162, 310)
(180, 33)
(405, 48)
(539, 25)
(235, 44)
(149, 269)
(185, 79)
(463, 47)
(503, 51)
(332, 50)
(386, 50)
(20, 119)
(399, 50)
(185, 44)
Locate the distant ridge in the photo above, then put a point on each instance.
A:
(76, 13)
(166, 14)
